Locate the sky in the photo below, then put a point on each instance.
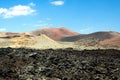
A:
(82, 16)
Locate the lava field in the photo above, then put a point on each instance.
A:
(59, 64)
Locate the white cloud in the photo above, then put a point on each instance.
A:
(57, 3)
(2, 10)
(19, 10)
(2, 29)
(32, 4)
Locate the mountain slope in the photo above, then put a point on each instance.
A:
(113, 41)
(96, 35)
(44, 42)
(40, 42)
(54, 33)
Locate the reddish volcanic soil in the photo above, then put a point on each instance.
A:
(8, 34)
(55, 33)
(112, 41)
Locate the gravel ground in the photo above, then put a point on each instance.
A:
(59, 64)
(4, 42)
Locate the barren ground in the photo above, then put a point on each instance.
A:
(59, 64)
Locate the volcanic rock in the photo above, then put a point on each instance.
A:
(59, 64)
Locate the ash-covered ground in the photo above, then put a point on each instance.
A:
(59, 64)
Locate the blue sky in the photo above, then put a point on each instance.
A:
(82, 16)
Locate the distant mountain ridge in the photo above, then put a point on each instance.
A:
(102, 35)
(66, 35)
(8, 34)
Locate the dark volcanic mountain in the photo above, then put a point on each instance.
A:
(97, 35)
(55, 33)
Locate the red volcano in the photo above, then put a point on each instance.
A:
(55, 33)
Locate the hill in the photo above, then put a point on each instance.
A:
(54, 33)
(8, 34)
(32, 41)
(58, 38)
(113, 41)
(44, 42)
(97, 35)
